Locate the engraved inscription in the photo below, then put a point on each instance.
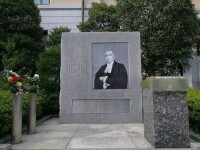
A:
(101, 106)
(77, 67)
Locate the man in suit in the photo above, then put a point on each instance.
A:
(112, 75)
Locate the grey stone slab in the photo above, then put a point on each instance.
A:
(100, 127)
(100, 131)
(48, 144)
(101, 136)
(5, 146)
(67, 133)
(134, 128)
(77, 80)
(195, 146)
(173, 149)
(101, 142)
(109, 149)
(108, 135)
(114, 106)
(140, 141)
(51, 121)
(165, 83)
(58, 127)
(101, 106)
(85, 106)
(88, 137)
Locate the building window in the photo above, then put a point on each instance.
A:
(41, 2)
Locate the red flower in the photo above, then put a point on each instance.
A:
(20, 79)
(14, 79)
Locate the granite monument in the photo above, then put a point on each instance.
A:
(82, 54)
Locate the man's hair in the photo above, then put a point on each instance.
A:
(109, 50)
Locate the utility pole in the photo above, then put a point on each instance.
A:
(83, 5)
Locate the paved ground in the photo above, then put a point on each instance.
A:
(54, 136)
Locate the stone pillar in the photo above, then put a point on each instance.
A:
(165, 110)
(16, 118)
(32, 113)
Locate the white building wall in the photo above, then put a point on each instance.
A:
(62, 15)
(193, 74)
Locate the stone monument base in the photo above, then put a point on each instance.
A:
(166, 122)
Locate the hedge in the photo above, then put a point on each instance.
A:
(6, 108)
(193, 97)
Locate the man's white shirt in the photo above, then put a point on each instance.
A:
(109, 67)
(107, 70)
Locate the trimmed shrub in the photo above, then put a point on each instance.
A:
(5, 112)
(6, 108)
(193, 96)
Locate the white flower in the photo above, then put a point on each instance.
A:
(36, 76)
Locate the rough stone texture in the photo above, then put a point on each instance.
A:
(5, 146)
(76, 81)
(149, 128)
(166, 119)
(195, 146)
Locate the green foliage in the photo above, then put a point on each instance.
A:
(25, 107)
(55, 36)
(168, 32)
(5, 111)
(101, 18)
(49, 71)
(6, 108)
(32, 85)
(198, 39)
(20, 35)
(193, 97)
(48, 67)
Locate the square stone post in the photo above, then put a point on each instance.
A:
(165, 110)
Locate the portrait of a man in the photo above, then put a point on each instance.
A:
(112, 75)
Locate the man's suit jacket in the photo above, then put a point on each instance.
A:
(117, 78)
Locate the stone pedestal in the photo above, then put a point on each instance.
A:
(32, 113)
(165, 110)
(16, 119)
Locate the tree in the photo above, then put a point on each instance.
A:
(21, 35)
(101, 18)
(49, 71)
(48, 67)
(198, 39)
(55, 37)
(168, 32)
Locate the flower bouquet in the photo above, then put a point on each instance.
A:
(14, 80)
(33, 82)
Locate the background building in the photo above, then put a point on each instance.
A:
(68, 13)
